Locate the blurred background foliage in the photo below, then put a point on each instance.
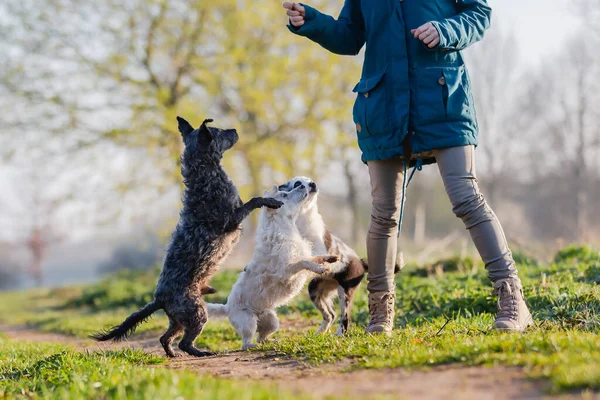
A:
(89, 148)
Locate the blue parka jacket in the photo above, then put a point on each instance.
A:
(406, 89)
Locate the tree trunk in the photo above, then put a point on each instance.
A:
(581, 162)
(37, 247)
(420, 216)
(255, 190)
(36, 272)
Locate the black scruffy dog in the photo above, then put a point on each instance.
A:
(209, 227)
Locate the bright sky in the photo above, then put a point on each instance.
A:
(539, 25)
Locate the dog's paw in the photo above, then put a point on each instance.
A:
(321, 270)
(272, 203)
(207, 290)
(206, 354)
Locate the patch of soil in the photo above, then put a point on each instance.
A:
(447, 382)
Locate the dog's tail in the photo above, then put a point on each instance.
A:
(217, 311)
(123, 331)
(397, 267)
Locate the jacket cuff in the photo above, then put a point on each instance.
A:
(311, 25)
(446, 38)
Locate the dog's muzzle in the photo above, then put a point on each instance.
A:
(313, 187)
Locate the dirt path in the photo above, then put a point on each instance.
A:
(448, 382)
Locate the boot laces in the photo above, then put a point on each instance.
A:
(381, 311)
(507, 300)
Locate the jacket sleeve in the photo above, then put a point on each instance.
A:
(345, 36)
(465, 28)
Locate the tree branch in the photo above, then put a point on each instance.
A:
(149, 48)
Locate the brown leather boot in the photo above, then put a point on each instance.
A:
(513, 314)
(381, 311)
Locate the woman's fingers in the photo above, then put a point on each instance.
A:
(427, 34)
(294, 7)
(299, 7)
(295, 12)
(423, 35)
(435, 42)
(297, 20)
(423, 30)
(429, 39)
(420, 30)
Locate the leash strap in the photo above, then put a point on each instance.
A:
(405, 182)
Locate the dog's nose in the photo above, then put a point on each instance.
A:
(312, 185)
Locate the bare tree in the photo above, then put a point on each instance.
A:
(567, 102)
(496, 88)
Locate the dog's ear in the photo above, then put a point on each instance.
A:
(184, 127)
(204, 135)
(271, 193)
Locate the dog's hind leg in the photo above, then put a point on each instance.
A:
(193, 316)
(267, 324)
(245, 323)
(175, 329)
(320, 291)
(187, 342)
(346, 297)
(325, 306)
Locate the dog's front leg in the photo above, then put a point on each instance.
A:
(307, 265)
(314, 264)
(242, 212)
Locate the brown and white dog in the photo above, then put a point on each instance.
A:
(344, 276)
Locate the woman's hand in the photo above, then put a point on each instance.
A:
(427, 34)
(296, 12)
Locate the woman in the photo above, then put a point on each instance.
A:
(414, 105)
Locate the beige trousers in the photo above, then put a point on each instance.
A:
(457, 167)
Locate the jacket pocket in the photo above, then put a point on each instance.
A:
(441, 95)
(372, 107)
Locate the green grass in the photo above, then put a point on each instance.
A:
(58, 372)
(80, 311)
(455, 294)
(568, 358)
(446, 318)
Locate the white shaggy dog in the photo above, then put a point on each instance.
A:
(344, 276)
(281, 265)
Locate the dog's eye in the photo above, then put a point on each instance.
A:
(298, 183)
(285, 196)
